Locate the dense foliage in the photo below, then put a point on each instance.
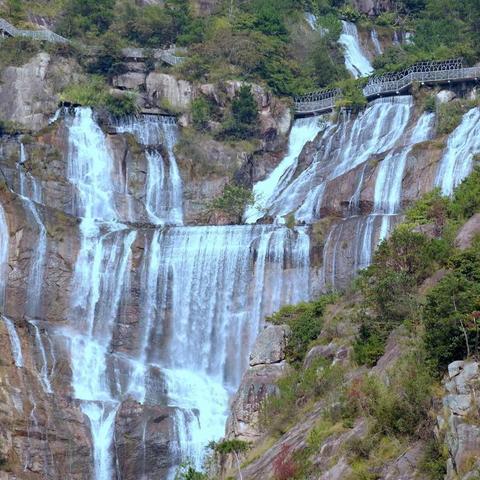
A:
(305, 321)
(390, 285)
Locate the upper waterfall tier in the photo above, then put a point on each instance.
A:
(163, 195)
(356, 60)
(339, 149)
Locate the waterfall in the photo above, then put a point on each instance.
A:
(304, 130)
(208, 287)
(44, 373)
(355, 59)
(15, 344)
(388, 184)
(203, 292)
(376, 42)
(29, 186)
(163, 191)
(90, 167)
(4, 242)
(311, 20)
(341, 148)
(462, 145)
(98, 281)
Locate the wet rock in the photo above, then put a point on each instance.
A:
(144, 440)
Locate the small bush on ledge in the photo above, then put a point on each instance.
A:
(94, 93)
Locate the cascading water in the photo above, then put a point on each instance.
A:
(37, 269)
(203, 294)
(98, 281)
(356, 61)
(457, 159)
(341, 148)
(14, 342)
(388, 184)
(4, 242)
(90, 167)
(163, 191)
(303, 131)
(376, 42)
(202, 279)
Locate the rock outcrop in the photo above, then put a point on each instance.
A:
(29, 94)
(460, 420)
(267, 365)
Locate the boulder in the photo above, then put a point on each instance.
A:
(461, 419)
(445, 96)
(270, 345)
(166, 91)
(129, 81)
(145, 440)
(468, 232)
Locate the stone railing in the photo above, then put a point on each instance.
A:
(41, 35)
(392, 84)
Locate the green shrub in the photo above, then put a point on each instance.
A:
(352, 96)
(233, 201)
(450, 115)
(94, 93)
(243, 122)
(401, 407)
(305, 321)
(17, 51)
(433, 463)
(200, 113)
(466, 197)
(451, 315)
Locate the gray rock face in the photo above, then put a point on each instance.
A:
(29, 94)
(332, 352)
(467, 233)
(166, 90)
(267, 365)
(373, 7)
(460, 420)
(270, 345)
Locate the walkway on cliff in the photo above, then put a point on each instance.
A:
(391, 84)
(167, 55)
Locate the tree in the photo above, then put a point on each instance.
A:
(243, 123)
(14, 9)
(234, 447)
(87, 16)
